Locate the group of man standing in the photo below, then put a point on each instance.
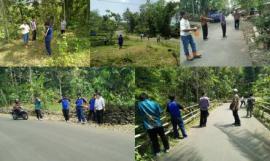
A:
(48, 33)
(150, 112)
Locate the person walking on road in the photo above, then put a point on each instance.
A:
(91, 113)
(223, 24)
(38, 108)
(234, 106)
(236, 16)
(120, 41)
(150, 112)
(48, 37)
(25, 32)
(174, 109)
(204, 19)
(33, 26)
(79, 108)
(243, 102)
(186, 37)
(65, 107)
(250, 105)
(204, 104)
(99, 108)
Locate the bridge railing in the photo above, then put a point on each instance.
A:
(141, 139)
(262, 111)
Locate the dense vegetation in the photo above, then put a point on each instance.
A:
(51, 83)
(75, 41)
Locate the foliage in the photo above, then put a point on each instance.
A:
(50, 83)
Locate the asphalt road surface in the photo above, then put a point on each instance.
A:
(58, 141)
(220, 141)
(218, 51)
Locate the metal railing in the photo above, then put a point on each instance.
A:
(263, 109)
(194, 112)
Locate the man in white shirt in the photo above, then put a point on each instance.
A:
(25, 32)
(99, 108)
(63, 26)
(186, 37)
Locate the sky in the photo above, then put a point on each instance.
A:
(118, 6)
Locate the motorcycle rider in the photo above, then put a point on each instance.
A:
(17, 107)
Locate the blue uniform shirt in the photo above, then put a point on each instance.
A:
(49, 35)
(92, 104)
(79, 102)
(65, 103)
(174, 109)
(150, 112)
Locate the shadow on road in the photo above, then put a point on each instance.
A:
(252, 145)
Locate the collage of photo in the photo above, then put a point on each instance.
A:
(134, 80)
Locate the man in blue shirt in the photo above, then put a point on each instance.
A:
(79, 109)
(48, 37)
(174, 109)
(65, 107)
(91, 112)
(150, 112)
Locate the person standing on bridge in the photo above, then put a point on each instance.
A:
(150, 112)
(204, 19)
(186, 37)
(236, 16)
(234, 106)
(223, 24)
(250, 105)
(79, 108)
(65, 107)
(204, 104)
(174, 109)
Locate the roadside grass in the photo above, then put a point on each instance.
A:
(137, 52)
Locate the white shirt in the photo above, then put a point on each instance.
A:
(184, 24)
(63, 25)
(25, 28)
(99, 103)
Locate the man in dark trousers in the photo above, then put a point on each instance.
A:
(250, 105)
(174, 109)
(150, 112)
(79, 109)
(204, 104)
(91, 113)
(204, 19)
(223, 24)
(99, 108)
(236, 16)
(235, 107)
(65, 107)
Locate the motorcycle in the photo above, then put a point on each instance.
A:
(19, 113)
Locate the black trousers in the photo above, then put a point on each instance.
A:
(99, 114)
(203, 118)
(236, 118)
(91, 115)
(205, 31)
(34, 36)
(236, 24)
(66, 114)
(153, 135)
(63, 31)
(223, 26)
(38, 114)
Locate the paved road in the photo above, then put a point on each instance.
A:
(218, 51)
(220, 141)
(58, 141)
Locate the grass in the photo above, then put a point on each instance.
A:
(14, 53)
(137, 52)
